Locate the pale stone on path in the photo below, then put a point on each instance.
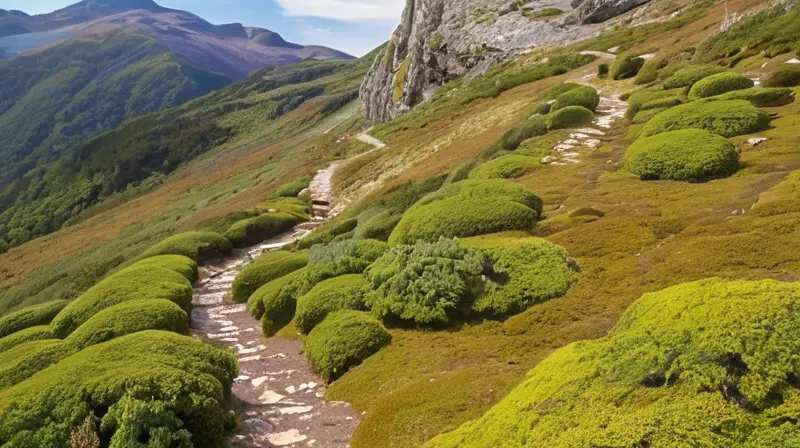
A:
(270, 397)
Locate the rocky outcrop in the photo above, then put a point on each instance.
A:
(597, 11)
(440, 40)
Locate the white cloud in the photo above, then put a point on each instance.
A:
(345, 9)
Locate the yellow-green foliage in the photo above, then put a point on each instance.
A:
(662, 103)
(725, 118)
(27, 335)
(524, 272)
(156, 384)
(646, 115)
(328, 232)
(468, 208)
(688, 155)
(759, 97)
(266, 268)
(637, 100)
(718, 84)
(196, 245)
(686, 77)
(273, 304)
(626, 66)
(30, 317)
(380, 226)
(648, 73)
(585, 96)
(709, 363)
(24, 360)
(340, 293)
(187, 267)
(293, 188)
(400, 80)
(506, 167)
(259, 228)
(343, 341)
(569, 117)
(536, 125)
(785, 76)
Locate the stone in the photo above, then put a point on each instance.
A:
(597, 11)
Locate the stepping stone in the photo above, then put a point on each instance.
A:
(286, 438)
(270, 397)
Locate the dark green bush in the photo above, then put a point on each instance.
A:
(256, 304)
(380, 226)
(556, 91)
(293, 188)
(718, 84)
(148, 383)
(266, 268)
(725, 118)
(342, 341)
(688, 155)
(30, 317)
(662, 103)
(425, 283)
(340, 293)
(638, 99)
(198, 246)
(626, 66)
(532, 127)
(759, 97)
(787, 75)
(686, 77)
(603, 70)
(648, 73)
(328, 232)
(506, 167)
(185, 266)
(585, 96)
(568, 117)
(259, 228)
(31, 334)
(543, 108)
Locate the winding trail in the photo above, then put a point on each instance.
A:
(279, 401)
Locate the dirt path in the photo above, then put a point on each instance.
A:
(366, 138)
(278, 399)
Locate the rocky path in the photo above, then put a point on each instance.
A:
(278, 399)
(366, 138)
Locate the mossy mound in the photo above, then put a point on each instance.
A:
(292, 189)
(688, 155)
(787, 75)
(662, 103)
(185, 266)
(646, 115)
(328, 232)
(648, 72)
(718, 84)
(637, 100)
(340, 293)
(275, 303)
(725, 118)
(31, 334)
(259, 228)
(30, 317)
(266, 268)
(468, 208)
(710, 363)
(23, 361)
(506, 167)
(759, 97)
(523, 273)
(626, 66)
(585, 96)
(532, 127)
(569, 117)
(150, 383)
(380, 226)
(198, 246)
(686, 77)
(342, 341)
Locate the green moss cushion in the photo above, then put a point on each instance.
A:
(30, 317)
(275, 303)
(343, 341)
(687, 155)
(686, 77)
(626, 67)
(585, 96)
(185, 266)
(266, 268)
(788, 75)
(339, 293)
(506, 167)
(24, 360)
(380, 226)
(259, 228)
(39, 333)
(711, 363)
(725, 118)
(196, 245)
(569, 117)
(719, 84)
(759, 97)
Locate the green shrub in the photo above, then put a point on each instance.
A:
(328, 232)
(23, 361)
(293, 188)
(266, 268)
(266, 293)
(468, 208)
(603, 70)
(129, 317)
(585, 96)
(185, 266)
(259, 228)
(275, 303)
(340, 293)
(710, 363)
(342, 341)
(198, 246)
(787, 75)
(569, 117)
(543, 108)
(686, 77)
(298, 207)
(379, 227)
(556, 91)
(718, 84)
(646, 115)
(626, 66)
(648, 73)
(759, 97)
(524, 272)
(133, 283)
(30, 317)
(148, 383)
(688, 155)
(31, 334)
(425, 283)
(725, 118)
(532, 127)
(506, 167)
(638, 99)
(662, 103)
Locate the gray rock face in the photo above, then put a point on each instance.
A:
(597, 11)
(439, 40)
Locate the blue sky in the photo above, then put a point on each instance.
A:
(353, 26)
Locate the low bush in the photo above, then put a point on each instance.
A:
(23, 361)
(299, 207)
(266, 268)
(267, 293)
(506, 167)
(342, 341)
(276, 302)
(379, 227)
(198, 246)
(293, 188)
(522, 273)
(687, 155)
(185, 266)
(603, 70)
(788, 75)
(584, 96)
(30, 317)
(31, 334)
(425, 283)
(626, 66)
(569, 117)
(646, 115)
(718, 84)
(759, 97)
(686, 77)
(648, 73)
(725, 118)
(328, 232)
(340, 293)
(556, 91)
(662, 103)
(638, 99)
(532, 127)
(468, 208)
(259, 228)
(149, 384)
(709, 363)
